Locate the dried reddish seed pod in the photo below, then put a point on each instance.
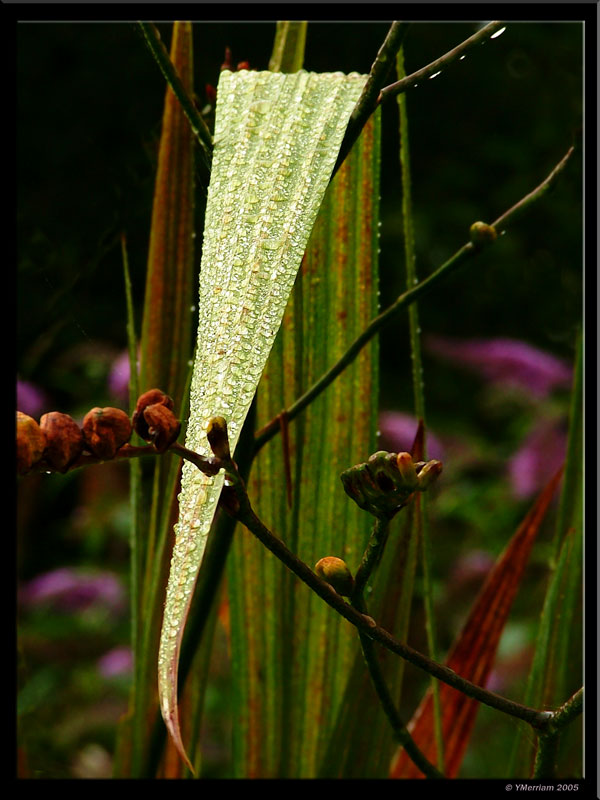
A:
(150, 398)
(64, 440)
(31, 443)
(163, 427)
(105, 430)
(336, 573)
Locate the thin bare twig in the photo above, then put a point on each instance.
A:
(242, 511)
(440, 63)
(466, 253)
(368, 101)
(163, 59)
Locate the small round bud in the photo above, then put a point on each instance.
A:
(336, 573)
(105, 430)
(216, 434)
(481, 234)
(64, 440)
(31, 443)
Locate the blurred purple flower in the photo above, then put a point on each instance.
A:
(73, 590)
(118, 661)
(118, 379)
(30, 399)
(398, 432)
(471, 567)
(507, 361)
(538, 458)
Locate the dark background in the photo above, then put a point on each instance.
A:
(483, 134)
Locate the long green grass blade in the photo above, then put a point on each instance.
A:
(556, 670)
(421, 517)
(276, 141)
(291, 656)
(288, 48)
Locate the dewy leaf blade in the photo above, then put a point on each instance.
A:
(276, 141)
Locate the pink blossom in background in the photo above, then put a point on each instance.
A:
(118, 379)
(30, 399)
(74, 590)
(398, 432)
(505, 361)
(118, 661)
(473, 566)
(539, 457)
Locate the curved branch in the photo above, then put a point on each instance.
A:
(400, 730)
(466, 253)
(440, 63)
(244, 513)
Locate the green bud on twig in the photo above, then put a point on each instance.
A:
(336, 573)
(429, 474)
(216, 433)
(481, 234)
(407, 470)
(386, 481)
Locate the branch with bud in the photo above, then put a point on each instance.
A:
(383, 485)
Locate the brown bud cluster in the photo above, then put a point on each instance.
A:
(57, 442)
(31, 443)
(64, 440)
(154, 420)
(105, 430)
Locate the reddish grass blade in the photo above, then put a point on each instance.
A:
(473, 653)
(167, 326)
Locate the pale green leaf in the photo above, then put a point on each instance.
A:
(276, 141)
